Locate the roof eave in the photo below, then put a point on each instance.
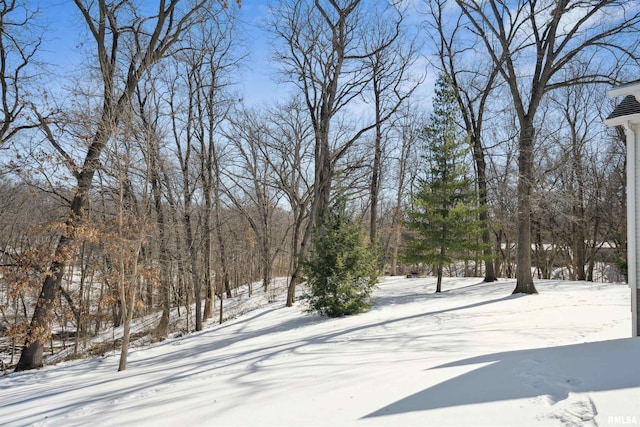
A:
(627, 89)
(623, 120)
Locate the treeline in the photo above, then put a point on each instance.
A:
(141, 182)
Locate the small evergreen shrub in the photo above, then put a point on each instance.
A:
(342, 270)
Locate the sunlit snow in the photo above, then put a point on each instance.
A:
(472, 355)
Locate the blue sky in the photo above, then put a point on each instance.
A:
(65, 35)
(257, 84)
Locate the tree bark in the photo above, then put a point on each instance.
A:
(165, 277)
(193, 260)
(129, 300)
(524, 279)
(481, 176)
(376, 168)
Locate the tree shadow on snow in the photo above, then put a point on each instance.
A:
(553, 372)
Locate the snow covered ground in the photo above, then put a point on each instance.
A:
(473, 355)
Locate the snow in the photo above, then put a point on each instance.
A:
(472, 355)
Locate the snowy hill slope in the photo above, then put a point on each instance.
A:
(473, 355)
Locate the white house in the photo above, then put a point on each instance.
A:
(627, 114)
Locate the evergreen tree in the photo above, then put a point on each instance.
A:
(342, 271)
(443, 218)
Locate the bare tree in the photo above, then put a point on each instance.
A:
(614, 202)
(147, 103)
(254, 193)
(126, 244)
(406, 131)
(286, 148)
(19, 44)
(127, 45)
(544, 38)
(574, 164)
(198, 105)
(184, 126)
(501, 190)
(216, 61)
(217, 192)
(581, 185)
(391, 86)
(322, 52)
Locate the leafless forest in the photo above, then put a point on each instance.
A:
(143, 181)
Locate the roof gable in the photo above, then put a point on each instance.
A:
(627, 107)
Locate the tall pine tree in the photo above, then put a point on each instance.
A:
(444, 214)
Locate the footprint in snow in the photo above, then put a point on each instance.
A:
(577, 410)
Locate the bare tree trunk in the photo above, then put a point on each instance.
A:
(222, 249)
(207, 188)
(593, 248)
(193, 260)
(579, 211)
(481, 175)
(524, 280)
(395, 249)
(291, 289)
(129, 299)
(376, 168)
(296, 258)
(407, 152)
(165, 276)
(208, 280)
